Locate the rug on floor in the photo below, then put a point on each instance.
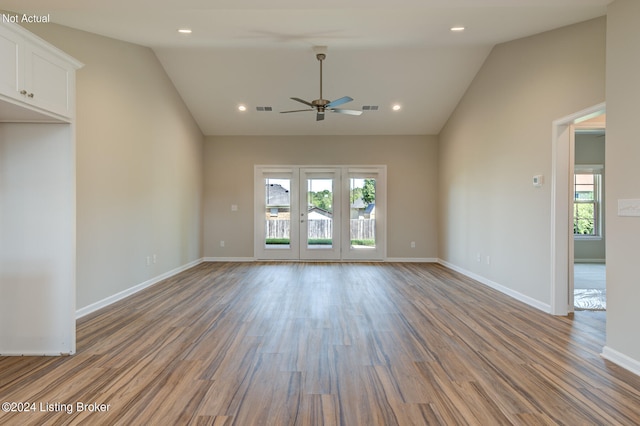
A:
(590, 299)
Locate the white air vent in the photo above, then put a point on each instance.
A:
(370, 107)
(264, 108)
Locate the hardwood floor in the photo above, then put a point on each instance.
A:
(325, 344)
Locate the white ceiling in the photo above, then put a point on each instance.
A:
(259, 53)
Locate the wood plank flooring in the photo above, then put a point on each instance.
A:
(325, 344)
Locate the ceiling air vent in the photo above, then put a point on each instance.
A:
(264, 108)
(370, 107)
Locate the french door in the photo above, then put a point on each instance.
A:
(320, 213)
(320, 197)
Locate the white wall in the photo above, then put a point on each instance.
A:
(497, 139)
(37, 250)
(411, 185)
(139, 166)
(623, 175)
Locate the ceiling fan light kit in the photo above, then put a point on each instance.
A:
(320, 105)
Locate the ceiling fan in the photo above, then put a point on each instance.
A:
(320, 106)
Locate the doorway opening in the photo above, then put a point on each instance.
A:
(320, 212)
(563, 205)
(589, 233)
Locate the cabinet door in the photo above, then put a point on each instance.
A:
(10, 67)
(48, 81)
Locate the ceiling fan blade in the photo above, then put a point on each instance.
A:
(297, 110)
(320, 116)
(346, 111)
(342, 100)
(303, 101)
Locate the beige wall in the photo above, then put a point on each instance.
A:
(497, 139)
(623, 175)
(139, 166)
(411, 181)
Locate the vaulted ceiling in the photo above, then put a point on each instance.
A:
(259, 53)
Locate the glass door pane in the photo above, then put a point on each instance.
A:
(362, 212)
(319, 213)
(277, 213)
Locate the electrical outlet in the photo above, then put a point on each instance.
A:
(478, 257)
(148, 260)
(488, 260)
(413, 244)
(221, 243)
(155, 258)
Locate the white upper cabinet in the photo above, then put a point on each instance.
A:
(48, 81)
(36, 74)
(10, 58)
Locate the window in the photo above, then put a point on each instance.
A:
(587, 201)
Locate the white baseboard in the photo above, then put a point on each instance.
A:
(389, 259)
(621, 359)
(412, 259)
(28, 353)
(229, 259)
(128, 292)
(502, 289)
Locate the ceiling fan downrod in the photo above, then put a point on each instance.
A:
(321, 57)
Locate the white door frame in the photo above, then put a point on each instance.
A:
(561, 206)
(380, 250)
(341, 235)
(292, 251)
(332, 252)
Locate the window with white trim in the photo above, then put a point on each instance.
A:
(587, 205)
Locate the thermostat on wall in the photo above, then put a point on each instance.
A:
(538, 180)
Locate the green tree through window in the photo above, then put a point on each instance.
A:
(322, 200)
(586, 203)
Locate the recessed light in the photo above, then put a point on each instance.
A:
(396, 107)
(242, 108)
(185, 31)
(457, 29)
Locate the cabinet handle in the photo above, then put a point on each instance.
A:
(23, 92)
(30, 95)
